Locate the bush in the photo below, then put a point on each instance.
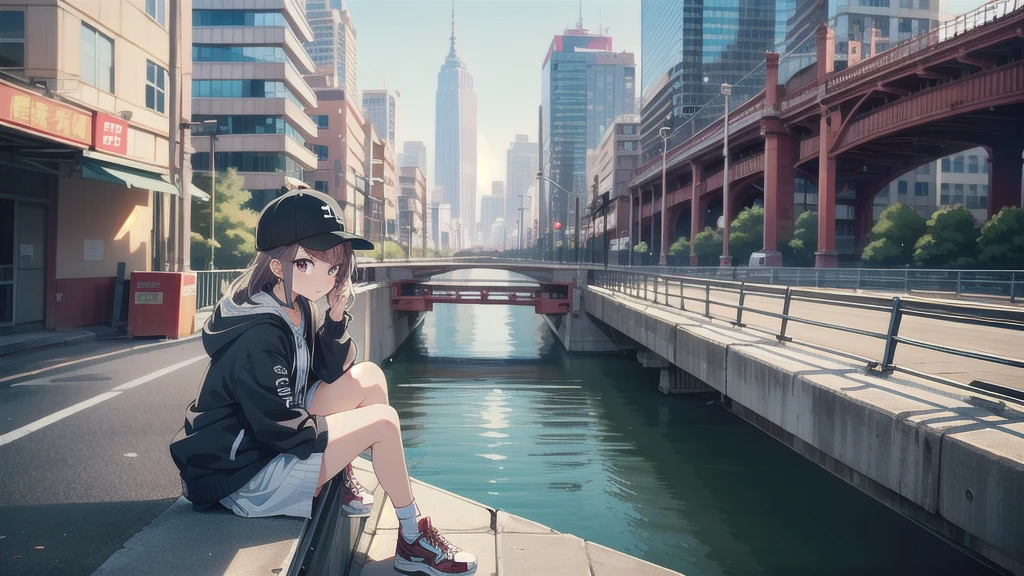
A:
(640, 248)
(746, 234)
(707, 247)
(680, 247)
(952, 239)
(894, 236)
(1001, 244)
(805, 240)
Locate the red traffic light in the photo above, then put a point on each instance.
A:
(558, 225)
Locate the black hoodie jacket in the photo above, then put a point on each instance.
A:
(248, 409)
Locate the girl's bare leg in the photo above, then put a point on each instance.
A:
(358, 418)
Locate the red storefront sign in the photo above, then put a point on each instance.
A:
(44, 116)
(110, 134)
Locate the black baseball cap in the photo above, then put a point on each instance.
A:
(306, 217)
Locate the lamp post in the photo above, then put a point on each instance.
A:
(664, 133)
(725, 260)
(207, 128)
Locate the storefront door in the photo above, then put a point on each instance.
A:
(22, 261)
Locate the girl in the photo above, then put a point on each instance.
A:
(283, 408)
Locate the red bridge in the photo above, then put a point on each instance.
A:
(421, 295)
(958, 87)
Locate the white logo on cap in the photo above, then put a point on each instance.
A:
(329, 213)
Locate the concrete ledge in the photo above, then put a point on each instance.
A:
(16, 343)
(703, 350)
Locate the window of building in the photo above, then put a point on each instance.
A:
(250, 162)
(220, 53)
(958, 164)
(924, 4)
(924, 169)
(972, 164)
(984, 165)
(156, 78)
(157, 10)
(905, 25)
(12, 39)
(322, 120)
(944, 194)
(320, 186)
(243, 89)
(972, 196)
(626, 146)
(875, 3)
(321, 151)
(958, 194)
(901, 187)
(253, 124)
(906, 3)
(236, 18)
(921, 189)
(982, 195)
(946, 166)
(97, 59)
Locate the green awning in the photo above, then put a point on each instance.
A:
(130, 177)
(198, 193)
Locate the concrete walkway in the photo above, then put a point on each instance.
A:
(182, 541)
(37, 339)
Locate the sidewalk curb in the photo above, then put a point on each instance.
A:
(111, 355)
(49, 341)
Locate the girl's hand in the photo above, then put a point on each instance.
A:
(338, 300)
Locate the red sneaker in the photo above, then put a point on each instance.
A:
(431, 554)
(356, 500)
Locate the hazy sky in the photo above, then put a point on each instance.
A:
(402, 45)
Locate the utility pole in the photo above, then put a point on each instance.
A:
(726, 260)
(213, 191)
(664, 132)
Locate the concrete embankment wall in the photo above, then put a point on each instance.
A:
(951, 463)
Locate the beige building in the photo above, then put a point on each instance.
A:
(613, 163)
(412, 209)
(248, 69)
(88, 148)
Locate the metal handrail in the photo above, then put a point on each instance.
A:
(638, 284)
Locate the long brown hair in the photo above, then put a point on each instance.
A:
(260, 276)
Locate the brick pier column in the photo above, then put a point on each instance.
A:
(697, 207)
(1004, 177)
(780, 156)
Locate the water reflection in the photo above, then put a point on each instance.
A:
(493, 410)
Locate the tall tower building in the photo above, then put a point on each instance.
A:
(414, 153)
(584, 86)
(247, 75)
(455, 140)
(381, 108)
(520, 177)
(333, 49)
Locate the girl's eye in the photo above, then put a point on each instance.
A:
(304, 266)
(333, 270)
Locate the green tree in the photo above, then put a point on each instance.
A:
(746, 234)
(894, 236)
(640, 248)
(707, 247)
(680, 247)
(1001, 244)
(235, 226)
(952, 239)
(805, 239)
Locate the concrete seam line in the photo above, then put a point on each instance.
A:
(98, 357)
(61, 414)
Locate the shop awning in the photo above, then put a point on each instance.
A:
(130, 177)
(197, 192)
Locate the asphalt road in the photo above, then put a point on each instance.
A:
(72, 492)
(992, 340)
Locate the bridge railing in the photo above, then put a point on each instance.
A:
(211, 285)
(1007, 284)
(698, 295)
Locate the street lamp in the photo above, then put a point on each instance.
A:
(207, 128)
(664, 133)
(725, 260)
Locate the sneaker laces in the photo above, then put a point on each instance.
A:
(434, 537)
(351, 482)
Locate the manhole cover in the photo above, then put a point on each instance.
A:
(82, 378)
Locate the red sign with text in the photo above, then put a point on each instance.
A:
(110, 134)
(42, 115)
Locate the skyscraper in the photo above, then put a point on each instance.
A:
(244, 77)
(334, 46)
(381, 108)
(520, 176)
(455, 140)
(414, 153)
(584, 87)
(690, 47)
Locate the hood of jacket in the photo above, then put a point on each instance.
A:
(230, 320)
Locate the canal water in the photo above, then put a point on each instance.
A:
(493, 409)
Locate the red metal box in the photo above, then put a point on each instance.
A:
(162, 304)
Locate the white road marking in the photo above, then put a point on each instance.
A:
(60, 415)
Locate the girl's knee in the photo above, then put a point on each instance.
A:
(387, 417)
(372, 379)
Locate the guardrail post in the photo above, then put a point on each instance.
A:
(817, 278)
(959, 283)
(707, 298)
(860, 279)
(890, 337)
(772, 282)
(656, 290)
(647, 281)
(1013, 286)
(739, 310)
(906, 280)
(682, 300)
(785, 317)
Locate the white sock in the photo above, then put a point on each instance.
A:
(408, 518)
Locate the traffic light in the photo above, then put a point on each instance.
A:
(594, 187)
(558, 225)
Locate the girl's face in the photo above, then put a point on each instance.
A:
(312, 277)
